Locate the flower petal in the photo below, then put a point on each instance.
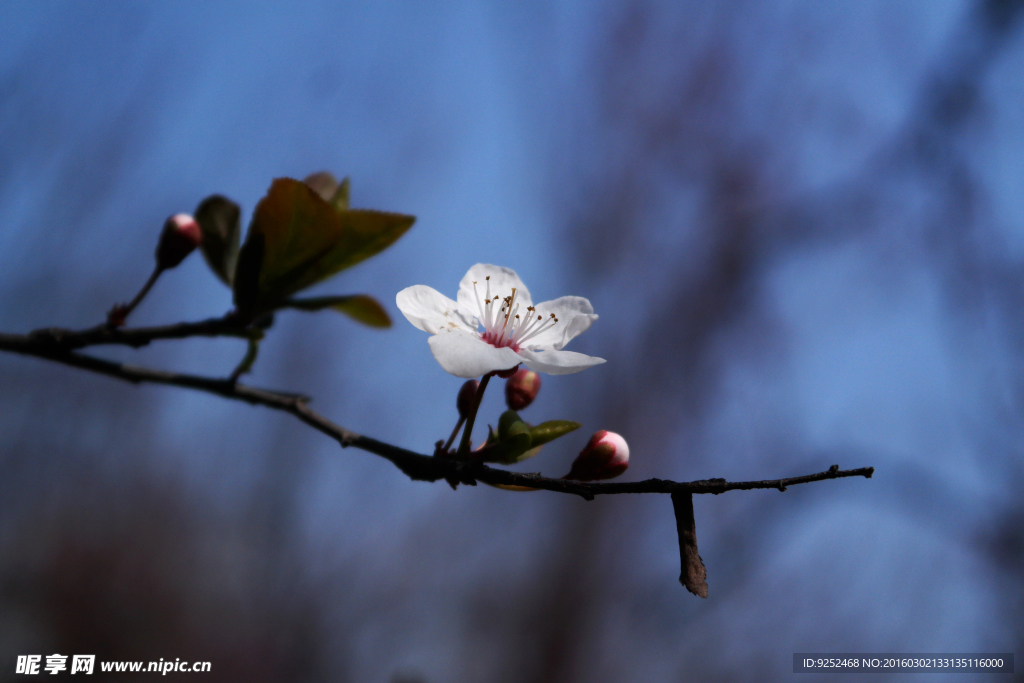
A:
(431, 311)
(557, 362)
(574, 314)
(465, 354)
(502, 281)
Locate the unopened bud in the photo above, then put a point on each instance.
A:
(605, 456)
(521, 388)
(467, 397)
(181, 235)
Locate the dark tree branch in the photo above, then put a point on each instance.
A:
(60, 345)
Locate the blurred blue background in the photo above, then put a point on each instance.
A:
(800, 224)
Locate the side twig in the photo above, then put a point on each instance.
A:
(693, 575)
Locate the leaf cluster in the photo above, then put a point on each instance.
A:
(516, 440)
(301, 233)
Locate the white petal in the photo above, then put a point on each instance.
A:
(464, 354)
(431, 311)
(502, 281)
(558, 362)
(574, 314)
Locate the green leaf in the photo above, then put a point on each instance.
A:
(506, 421)
(518, 430)
(549, 431)
(539, 435)
(512, 440)
(247, 274)
(510, 451)
(516, 441)
(366, 233)
(297, 239)
(360, 307)
(339, 200)
(219, 221)
(297, 230)
(534, 450)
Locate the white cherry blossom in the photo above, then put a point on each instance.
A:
(494, 325)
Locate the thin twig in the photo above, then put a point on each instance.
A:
(57, 338)
(455, 432)
(118, 314)
(416, 466)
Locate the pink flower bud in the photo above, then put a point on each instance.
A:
(605, 456)
(180, 236)
(467, 396)
(521, 388)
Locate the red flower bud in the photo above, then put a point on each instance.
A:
(467, 396)
(181, 235)
(605, 456)
(521, 388)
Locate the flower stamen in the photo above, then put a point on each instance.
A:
(504, 326)
(532, 328)
(507, 307)
(521, 330)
